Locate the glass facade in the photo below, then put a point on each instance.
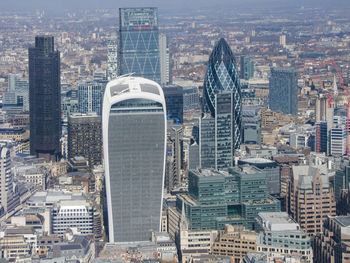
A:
(84, 137)
(222, 74)
(251, 125)
(139, 43)
(174, 102)
(90, 97)
(224, 136)
(207, 142)
(283, 93)
(247, 68)
(134, 134)
(233, 196)
(44, 98)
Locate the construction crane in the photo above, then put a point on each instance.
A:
(330, 96)
(347, 125)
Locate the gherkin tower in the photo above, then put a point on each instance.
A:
(222, 75)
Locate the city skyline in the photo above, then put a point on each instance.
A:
(227, 139)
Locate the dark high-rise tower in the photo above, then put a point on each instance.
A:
(44, 98)
(222, 75)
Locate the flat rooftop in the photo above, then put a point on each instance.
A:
(343, 220)
(278, 221)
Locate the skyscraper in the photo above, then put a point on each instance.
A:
(220, 128)
(8, 199)
(134, 144)
(44, 98)
(321, 137)
(222, 74)
(174, 102)
(283, 94)
(90, 97)
(139, 43)
(247, 68)
(112, 58)
(84, 137)
(337, 140)
(164, 55)
(216, 134)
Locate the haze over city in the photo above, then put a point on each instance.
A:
(175, 131)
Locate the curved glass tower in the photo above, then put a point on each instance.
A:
(222, 75)
(134, 144)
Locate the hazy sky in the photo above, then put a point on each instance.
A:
(60, 5)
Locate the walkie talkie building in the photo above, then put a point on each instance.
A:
(134, 144)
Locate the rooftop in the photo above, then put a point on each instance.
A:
(278, 221)
(343, 220)
(130, 84)
(54, 197)
(257, 160)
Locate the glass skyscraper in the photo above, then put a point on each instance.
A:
(216, 134)
(134, 145)
(90, 97)
(44, 98)
(222, 74)
(112, 57)
(283, 93)
(139, 43)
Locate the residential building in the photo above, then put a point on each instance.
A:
(283, 95)
(134, 143)
(282, 236)
(311, 197)
(85, 137)
(332, 244)
(139, 43)
(44, 98)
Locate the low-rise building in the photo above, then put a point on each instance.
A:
(235, 242)
(282, 236)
